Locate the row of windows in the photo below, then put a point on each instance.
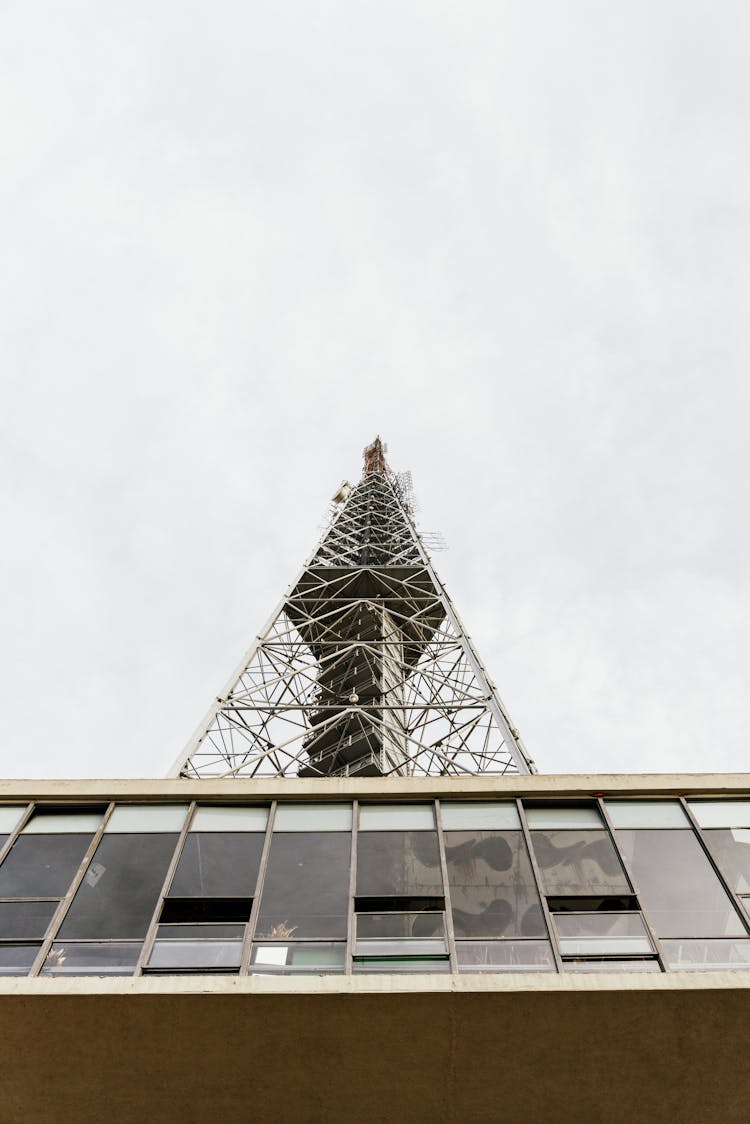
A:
(637, 885)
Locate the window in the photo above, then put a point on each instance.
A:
(678, 890)
(573, 861)
(298, 960)
(306, 889)
(492, 888)
(120, 889)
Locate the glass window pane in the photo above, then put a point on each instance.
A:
(16, 959)
(400, 949)
(608, 965)
(218, 864)
(25, 920)
(492, 888)
(201, 932)
(730, 848)
(92, 959)
(119, 891)
(505, 956)
(465, 816)
(10, 814)
(423, 924)
(42, 866)
(677, 888)
(229, 818)
(313, 817)
(196, 954)
(706, 955)
(146, 817)
(721, 813)
(396, 817)
(398, 863)
(605, 946)
(560, 816)
(600, 925)
(54, 823)
(392, 966)
(301, 959)
(578, 862)
(306, 889)
(646, 813)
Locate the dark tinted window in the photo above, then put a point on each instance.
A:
(218, 864)
(492, 886)
(19, 920)
(578, 862)
(398, 862)
(120, 888)
(676, 885)
(730, 848)
(306, 891)
(40, 866)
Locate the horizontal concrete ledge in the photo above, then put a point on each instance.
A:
(381, 984)
(394, 788)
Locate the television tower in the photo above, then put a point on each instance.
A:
(364, 668)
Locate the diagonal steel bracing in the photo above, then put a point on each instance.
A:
(364, 668)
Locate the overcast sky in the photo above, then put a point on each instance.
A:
(240, 239)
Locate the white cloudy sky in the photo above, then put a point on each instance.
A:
(239, 239)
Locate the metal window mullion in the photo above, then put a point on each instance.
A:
(633, 885)
(11, 840)
(253, 919)
(148, 940)
(734, 898)
(552, 934)
(62, 909)
(446, 889)
(350, 927)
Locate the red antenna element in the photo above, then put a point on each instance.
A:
(375, 458)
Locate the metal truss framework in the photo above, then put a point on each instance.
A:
(364, 668)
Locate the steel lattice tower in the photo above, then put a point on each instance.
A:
(364, 668)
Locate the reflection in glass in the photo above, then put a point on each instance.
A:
(578, 862)
(647, 813)
(415, 965)
(297, 960)
(218, 864)
(217, 817)
(554, 817)
(400, 949)
(24, 920)
(16, 959)
(206, 955)
(677, 888)
(602, 934)
(121, 887)
(730, 848)
(89, 958)
(464, 815)
(396, 817)
(10, 814)
(492, 885)
(41, 866)
(423, 924)
(709, 955)
(505, 956)
(607, 964)
(398, 863)
(306, 888)
(721, 813)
